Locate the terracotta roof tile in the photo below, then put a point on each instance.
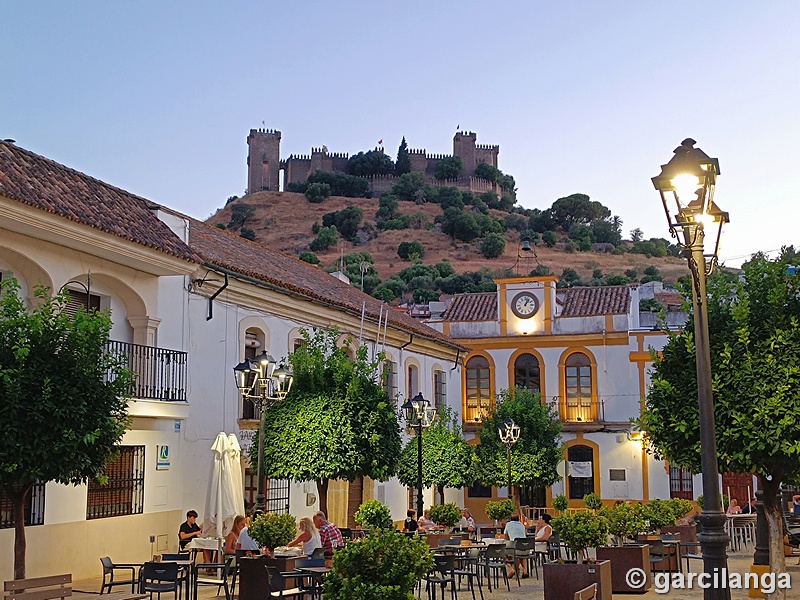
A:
(591, 301)
(242, 256)
(47, 185)
(480, 306)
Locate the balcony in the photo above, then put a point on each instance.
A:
(160, 373)
(579, 413)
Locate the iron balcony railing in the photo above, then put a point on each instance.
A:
(160, 373)
(579, 410)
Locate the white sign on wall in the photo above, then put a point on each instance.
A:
(162, 457)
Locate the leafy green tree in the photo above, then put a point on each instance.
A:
(387, 208)
(493, 245)
(541, 221)
(408, 185)
(64, 398)
(754, 326)
(318, 192)
(535, 456)
(383, 293)
(577, 208)
(607, 231)
(569, 278)
(449, 167)
(488, 172)
(373, 162)
(651, 247)
(450, 196)
(403, 164)
(424, 295)
(447, 459)
(327, 237)
(549, 238)
(409, 250)
(336, 423)
(637, 235)
(309, 257)
(346, 220)
(341, 184)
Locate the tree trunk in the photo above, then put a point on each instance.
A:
(773, 512)
(322, 493)
(20, 544)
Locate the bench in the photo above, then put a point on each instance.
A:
(587, 593)
(38, 588)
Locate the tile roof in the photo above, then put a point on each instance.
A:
(47, 185)
(250, 259)
(600, 300)
(480, 306)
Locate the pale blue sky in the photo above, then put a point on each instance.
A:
(591, 97)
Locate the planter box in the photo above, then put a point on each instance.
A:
(688, 533)
(253, 577)
(623, 559)
(562, 580)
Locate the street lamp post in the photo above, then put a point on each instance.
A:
(419, 414)
(260, 381)
(509, 435)
(689, 179)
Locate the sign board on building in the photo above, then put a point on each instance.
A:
(162, 457)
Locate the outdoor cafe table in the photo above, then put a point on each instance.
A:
(200, 543)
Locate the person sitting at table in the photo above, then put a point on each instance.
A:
(329, 534)
(734, 508)
(239, 523)
(515, 530)
(308, 536)
(425, 521)
(749, 508)
(467, 522)
(245, 542)
(189, 529)
(796, 506)
(411, 524)
(543, 532)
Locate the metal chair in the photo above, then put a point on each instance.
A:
(494, 560)
(277, 584)
(220, 580)
(464, 568)
(161, 577)
(108, 572)
(522, 549)
(444, 566)
(314, 586)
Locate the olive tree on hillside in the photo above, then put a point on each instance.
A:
(336, 423)
(754, 326)
(63, 398)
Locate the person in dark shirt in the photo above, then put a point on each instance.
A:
(411, 523)
(189, 529)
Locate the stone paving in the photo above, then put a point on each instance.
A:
(529, 588)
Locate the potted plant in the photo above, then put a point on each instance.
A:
(384, 564)
(560, 503)
(500, 510)
(684, 526)
(374, 514)
(271, 530)
(446, 515)
(659, 516)
(593, 501)
(578, 531)
(625, 522)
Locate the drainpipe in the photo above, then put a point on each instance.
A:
(211, 299)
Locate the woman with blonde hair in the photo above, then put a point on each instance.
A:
(239, 522)
(308, 536)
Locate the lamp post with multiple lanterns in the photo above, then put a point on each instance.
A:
(419, 414)
(259, 380)
(686, 183)
(509, 435)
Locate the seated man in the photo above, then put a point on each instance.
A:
(467, 523)
(329, 534)
(515, 530)
(189, 529)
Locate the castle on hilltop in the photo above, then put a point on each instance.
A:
(264, 164)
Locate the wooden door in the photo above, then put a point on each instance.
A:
(355, 496)
(738, 484)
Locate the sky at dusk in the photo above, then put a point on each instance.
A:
(582, 97)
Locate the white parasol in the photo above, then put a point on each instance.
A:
(235, 458)
(220, 500)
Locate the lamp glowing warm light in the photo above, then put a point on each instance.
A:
(686, 185)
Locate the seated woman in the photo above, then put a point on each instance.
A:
(425, 522)
(734, 508)
(308, 536)
(233, 537)
(543, 532)
(411, 524)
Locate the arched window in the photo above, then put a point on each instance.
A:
(578, 377)
(526, 373)
(254, 341)
(412, 381)
(581, 479)
(478, 388)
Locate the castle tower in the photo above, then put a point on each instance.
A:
(464, 146)
(263, 160)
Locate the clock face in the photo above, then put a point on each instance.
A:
(524, 305)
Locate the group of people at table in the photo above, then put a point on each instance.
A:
(515, 528)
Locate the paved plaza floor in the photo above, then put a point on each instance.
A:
(529, 588)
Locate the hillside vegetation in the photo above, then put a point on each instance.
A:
(440, 240)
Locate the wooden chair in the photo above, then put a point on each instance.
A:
(587, 593)
(38, 588)
(109, 580)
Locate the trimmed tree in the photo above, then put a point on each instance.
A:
(64, 398)
(754, 328)
(403, 163)
(336, 423)
(537, 452)
(447, 459)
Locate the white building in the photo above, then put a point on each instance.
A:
(188, 302)
(584, 351)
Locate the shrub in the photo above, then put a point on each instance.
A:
(273, 530)
(449, 168)
(309, 257)
(625, 521)
(407, 250)
(328, 236)
(593, 501)
(493, 245)
(445, 514)
(220, 226)
(581, 530)
(500, 510)
(374, 514)
(560, 503)
(385, 565)
(680, 507)
(247, 234)
(239, 214)
(318, 192)
(549, 238)
(659, 514)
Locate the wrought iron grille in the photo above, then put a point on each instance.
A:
(124, 492)
(160, 373)
(277, 496)
(34, 508)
